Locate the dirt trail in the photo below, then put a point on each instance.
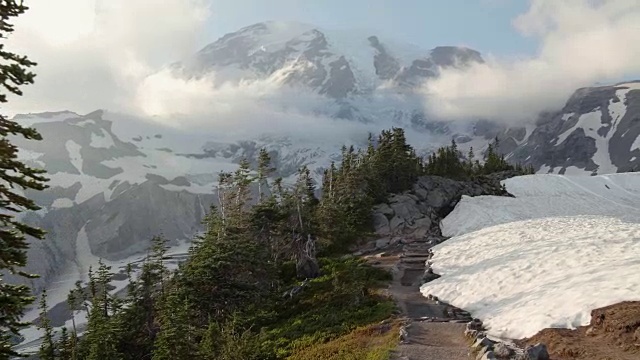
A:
(435, 330)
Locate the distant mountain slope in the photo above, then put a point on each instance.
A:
(597, 132)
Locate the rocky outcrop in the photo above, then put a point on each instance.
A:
(417, 213)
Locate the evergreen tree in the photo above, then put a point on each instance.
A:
(177, 338)
(210, 345)
(264, 171)
(47, 349)
(303, 228)
(76, 301)
(65, 346)
(101, 339)
(14, 173)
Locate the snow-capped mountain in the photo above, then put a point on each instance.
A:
(597, 132)
(333, 63)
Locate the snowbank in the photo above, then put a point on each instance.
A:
(562, 247)
(546, 195)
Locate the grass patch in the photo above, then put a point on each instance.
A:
(328, 309)
(373, 342)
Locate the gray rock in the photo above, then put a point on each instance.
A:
(384, 209)
(381, 224)
(501, 350)
(429, 276)
(382, 243)
(475, 324)
(405, 207)
(404, 334)
(481, 352)
(396, 225)
(482, 342)
(489, 355)
(416, 214)
(537, 352)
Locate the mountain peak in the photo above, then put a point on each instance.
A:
(334, 63)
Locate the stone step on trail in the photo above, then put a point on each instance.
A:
(415, 253)
(415, 260)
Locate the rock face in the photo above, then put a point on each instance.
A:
(417, 212)
(597, 132)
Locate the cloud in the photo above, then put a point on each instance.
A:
(241, 108)
(92, 53)
(581, 42)
(111, 54)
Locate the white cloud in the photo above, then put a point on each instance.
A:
(582, 42)
(111, 54)
(245, 108)
(92, 53)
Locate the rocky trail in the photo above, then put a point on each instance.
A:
(433, 330)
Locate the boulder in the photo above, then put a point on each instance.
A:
(436, 199)
(404, 334)
(489, 355)
(381, 224)
(482, 342)
(384, 209)
(405, 207)
(537, 352)
(382, 243)
(396, 225)
(475, 324)
(429, 276)
(502, 351)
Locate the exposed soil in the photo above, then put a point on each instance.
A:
(613, 334)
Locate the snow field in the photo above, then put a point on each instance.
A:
(564, 246)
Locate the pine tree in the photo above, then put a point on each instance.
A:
(210, 345)
(264, 171)
(47, 349)
(102, 333)
(14, 173)
(176, 339)
(65, 345)
(303, 225)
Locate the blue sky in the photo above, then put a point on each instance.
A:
(484, 25)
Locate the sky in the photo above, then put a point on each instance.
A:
(484, 25)
(110, 54)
